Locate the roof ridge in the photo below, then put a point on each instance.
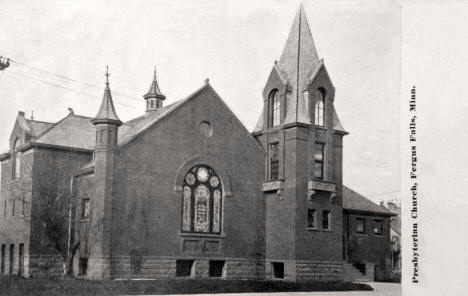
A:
(171, 109)
(51, 127)
(33, 120)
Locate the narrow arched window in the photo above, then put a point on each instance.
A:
(201, 201)
(15, 166)
(274, 108)
(319, 110)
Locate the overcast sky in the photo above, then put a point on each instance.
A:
(234, 43)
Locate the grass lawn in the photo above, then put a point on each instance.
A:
(69, 286)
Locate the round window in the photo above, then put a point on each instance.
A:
(204, 128)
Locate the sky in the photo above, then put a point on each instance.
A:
(233, 43)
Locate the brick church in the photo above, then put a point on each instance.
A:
(185, 190)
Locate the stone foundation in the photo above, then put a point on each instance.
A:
(44, 265)
(318, 271)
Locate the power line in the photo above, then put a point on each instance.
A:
(71, 79)
(67, 88)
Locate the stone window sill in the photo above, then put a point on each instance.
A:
(321, 185)
(273, 185)
(84, 220)
(195, 234)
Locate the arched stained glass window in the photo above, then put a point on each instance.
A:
(319, 112)
(202, 201)
(274, 105)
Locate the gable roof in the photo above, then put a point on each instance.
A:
(353, 201)
(73, 131)
(38, 127)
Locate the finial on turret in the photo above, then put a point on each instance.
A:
(107, 74)
(207, 80)
(155, 72)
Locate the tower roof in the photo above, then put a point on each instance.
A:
(154, 91)
(106, 113)
(298, 62)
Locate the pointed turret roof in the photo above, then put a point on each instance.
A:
(154, 91)
(298, 62)
(106, 113)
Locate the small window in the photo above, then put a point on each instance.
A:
(16, 161)
(378, 227)
(274, 106)
(22, 205)
(13, 207)
(4, 208)
(273, 155)
(326, 220)
(12, 256)
(278, 270)
(85, 208)
(2, 259)
(184, 268)
(318, 160)
(360, 225)
(216, 268)
(311, 213)
(319, 118)
(83, 266)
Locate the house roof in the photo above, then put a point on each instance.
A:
(353, 201)
(72, 131)
(38, 127)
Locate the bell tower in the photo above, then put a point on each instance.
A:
(154, 98)
(302, 185)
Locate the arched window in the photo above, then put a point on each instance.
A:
(202, 201)
(319, 113)
(274, 106)
(15, 166)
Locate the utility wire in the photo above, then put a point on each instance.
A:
(67, 88)
(71, 79)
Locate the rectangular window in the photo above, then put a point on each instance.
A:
(318, 160)
(273, 155)
(22, 206)
(13, 207)
(4, 208)
(378, 227)
(85, 211)
(326, 219)
(360, 225)
(12, 255)
(216, 268)
(184, 268)
(311, 218)
(20, 259)
(278, 270)
(2, 258)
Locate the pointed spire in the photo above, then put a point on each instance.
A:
(106, 113)
(298, 61)
(154, 91)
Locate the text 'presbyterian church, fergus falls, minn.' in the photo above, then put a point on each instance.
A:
(185, 190)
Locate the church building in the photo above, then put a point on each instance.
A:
(185, 190)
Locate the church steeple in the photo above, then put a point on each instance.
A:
(154, 98)
(298, 62)
(106, 113)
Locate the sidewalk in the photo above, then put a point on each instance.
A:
(380, 289)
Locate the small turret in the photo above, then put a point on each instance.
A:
(154, 98)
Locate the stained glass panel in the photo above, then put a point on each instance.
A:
(190, 179)
(216, 211)
(202, 174)
(202, 209)
(186, 221)
(214, 181)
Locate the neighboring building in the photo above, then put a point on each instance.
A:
(367, 235)
(186, 191)
(395, 236)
